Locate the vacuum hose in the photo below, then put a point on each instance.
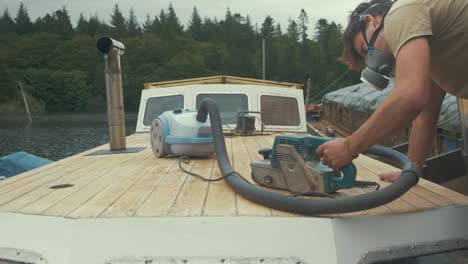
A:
(408, 179)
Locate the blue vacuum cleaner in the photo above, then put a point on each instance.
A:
(178, 133)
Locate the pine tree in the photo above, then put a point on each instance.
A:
(82, 25)
(321, 30)
(95, 25)
(228, 16)
(303, 25)
(278, 32)
(45, 24)
(162, 21)
(146, 28)
(6, 23)
(173, 21)
(248, 22)
(118, 22)
(209, 29)
(293, 31)
(63, 25)
(23, 22)
(133, 28)
(268, 28)
(195, 25)
(156, 25)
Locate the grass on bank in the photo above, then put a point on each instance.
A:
(16, 105)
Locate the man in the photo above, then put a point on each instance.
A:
(429, 40)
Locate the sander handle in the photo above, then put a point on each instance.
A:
(348, 172)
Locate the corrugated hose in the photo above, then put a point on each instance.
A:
(305, 206)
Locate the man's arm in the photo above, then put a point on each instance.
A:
(404, 103)
(424, 126)
(398, 110)
(423, 132)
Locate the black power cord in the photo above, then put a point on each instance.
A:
(186, 160)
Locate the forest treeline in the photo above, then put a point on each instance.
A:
(60, 69)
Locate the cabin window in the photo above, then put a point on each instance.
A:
(229, 105)
(155, 106)
(279, 111)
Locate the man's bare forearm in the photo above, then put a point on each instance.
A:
(421, 141)
(424, 127)
(396, 113)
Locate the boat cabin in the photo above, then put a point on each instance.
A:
(280, 106)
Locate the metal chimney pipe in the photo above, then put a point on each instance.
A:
(112, 50)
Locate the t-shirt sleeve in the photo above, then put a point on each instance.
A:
(405, 23)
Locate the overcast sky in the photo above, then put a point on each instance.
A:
(280, 10)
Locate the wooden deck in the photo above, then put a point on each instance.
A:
(138, 184)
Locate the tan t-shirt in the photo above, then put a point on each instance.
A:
(445, 22)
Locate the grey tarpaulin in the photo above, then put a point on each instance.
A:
(363, 98)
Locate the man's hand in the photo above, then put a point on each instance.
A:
(334, 153)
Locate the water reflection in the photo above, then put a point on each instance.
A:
(56, 136)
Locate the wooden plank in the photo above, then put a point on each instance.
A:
(72, 202)
(24, 178)
(435, 193)
(406, 203)
(41, 191)
(131, 200)
(220, 200)
(160, 201)
(223, 79)
(278, 85)
(125, 177)
(384, 209)
(212, 79)
(451, 195)
(242, 165)
(191, 199)
(11, 183)
(32, 183)
(99, 169)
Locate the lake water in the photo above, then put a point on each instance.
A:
(56, 136)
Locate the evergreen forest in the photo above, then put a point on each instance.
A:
(60, 69)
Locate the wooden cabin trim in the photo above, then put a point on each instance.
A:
(222, 79)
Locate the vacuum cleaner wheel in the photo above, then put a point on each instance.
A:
(157, 138)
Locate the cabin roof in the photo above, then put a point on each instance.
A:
(222, 79)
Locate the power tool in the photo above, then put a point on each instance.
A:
(292, 164)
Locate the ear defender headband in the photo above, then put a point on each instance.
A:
(362, 24)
